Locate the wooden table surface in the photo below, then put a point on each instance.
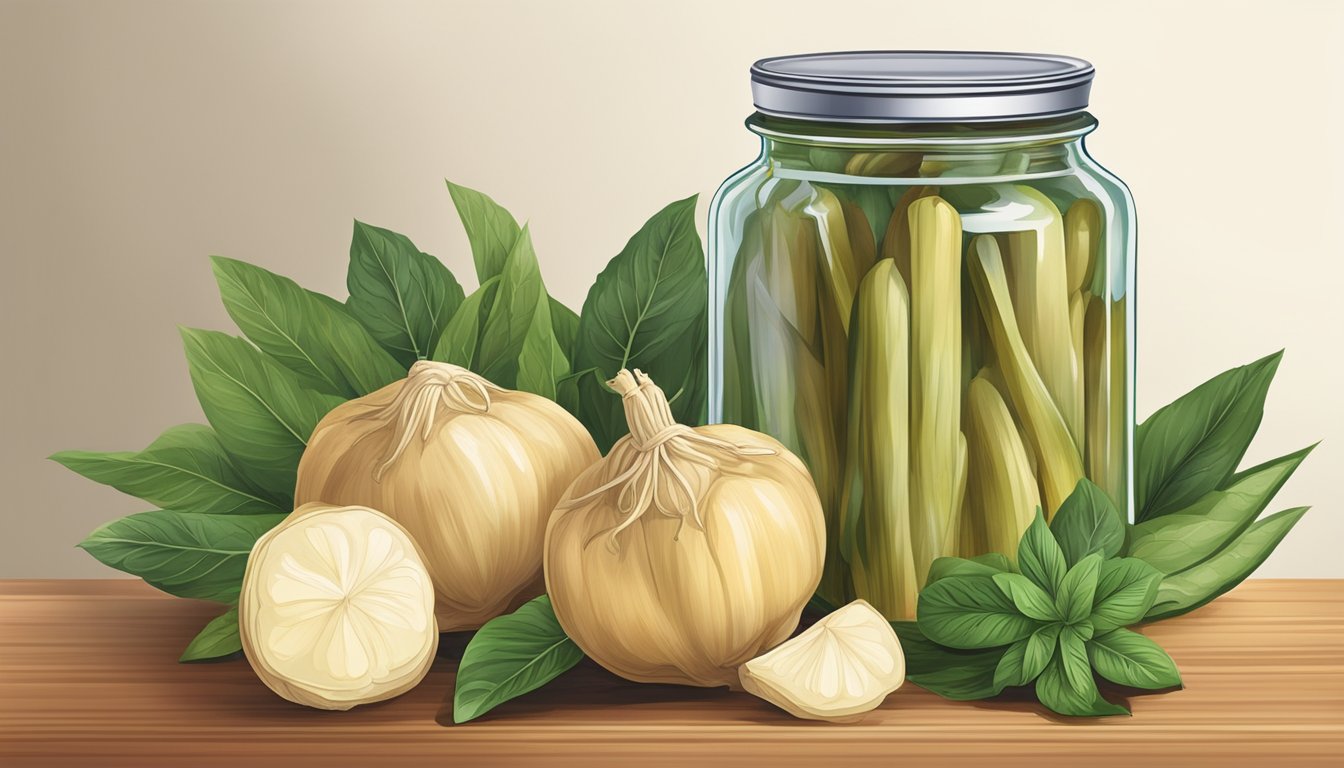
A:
(89, 677)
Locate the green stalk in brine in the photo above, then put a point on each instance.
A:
(1002, 497)
(1105, 379)
(875, 203)
(1039, 284)
(937, 449)
(798, 355)
(889, 164)
(1058, 460)
(896, 241)
(739, 397)
(875, 531)
(846, 252)
(1082, 242)
(843, 261)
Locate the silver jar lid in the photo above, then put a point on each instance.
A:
(920, 86)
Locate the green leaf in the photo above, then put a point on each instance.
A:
(186, 469)
(1185, 591)
(518, 348)
(970, 612)
(1030, 599)
(461, 340)
(952, 674)
(541, 364)
(647, 310)
(1039, 557)
(1088, 521)
(1041, 647)
(181, 553)
(219, 638)
(307, 332)
(1069, 689)
(491, 230)
(1078, 589)
(567, 390)
(1126, 589)
(510, 656)
(565, 323)
(403, 296)
(260, 412)
(1024, 660)
(1011, 669)
(1193, 446)
(984, 565)
(1128, 658)
(1182, 539)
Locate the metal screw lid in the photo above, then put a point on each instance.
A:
(920, 86)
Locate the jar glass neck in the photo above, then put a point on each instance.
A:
(923, 150)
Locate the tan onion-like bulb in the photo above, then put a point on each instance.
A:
(470, 469)
(686, 551)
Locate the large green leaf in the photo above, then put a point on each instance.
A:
(565, 323)
(219, 638)
(983, 565)
(181, 553)
(309, 333)
(262, 415)
(1182, 539)
(460, 343)
(970, 612)
(491, 230)
(1040, 558)
(518, 349)
(1030, 599)
(1079, 589)
(953, 674)
(1193, 446)
(1185, 591)
(186, 469)
(647, 311)
(1024, 660)
(1126, 589)
(1128, 658)
(403, 296)
(510, 656)
(1088, 521)
(1067, 686)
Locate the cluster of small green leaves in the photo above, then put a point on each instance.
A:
(220, 487)
(1051, 619)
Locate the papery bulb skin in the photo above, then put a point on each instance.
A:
(685, 552)
(470, 469)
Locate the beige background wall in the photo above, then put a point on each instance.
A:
(136, 138)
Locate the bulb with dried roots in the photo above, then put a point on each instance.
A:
(685, 552)
(471, 469)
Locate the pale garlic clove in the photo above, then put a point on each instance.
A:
(337, 608)
(838, 669)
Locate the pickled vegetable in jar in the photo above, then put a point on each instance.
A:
(923, 287)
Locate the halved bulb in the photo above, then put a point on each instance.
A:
(337, 608)
(838, 669)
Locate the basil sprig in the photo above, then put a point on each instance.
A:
(1053, 620)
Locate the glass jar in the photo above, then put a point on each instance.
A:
(923, 287)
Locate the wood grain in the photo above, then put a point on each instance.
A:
(89, 677)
